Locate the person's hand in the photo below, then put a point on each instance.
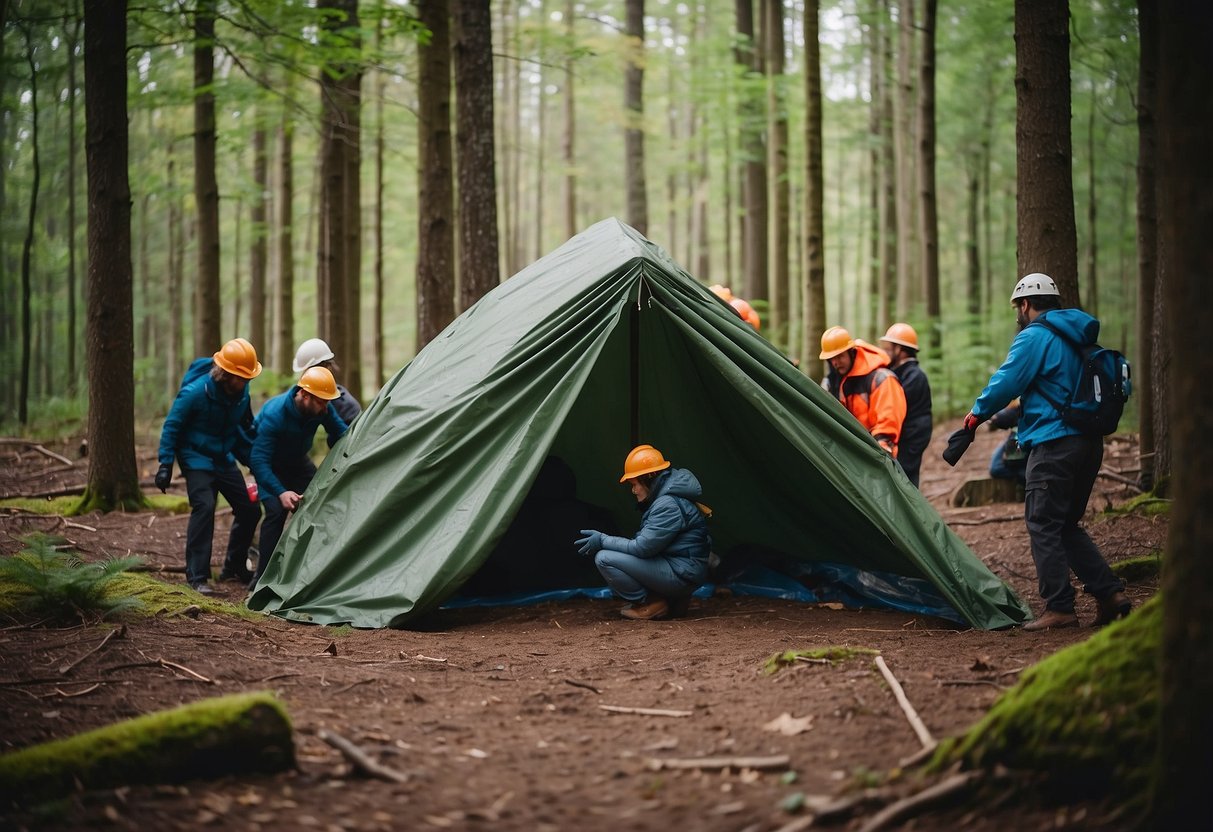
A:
(591, 543)
(972, 420)
(290, 500)
(886, 444)
(163, 477)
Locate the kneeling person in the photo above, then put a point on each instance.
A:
(286, 427)
(659, 568)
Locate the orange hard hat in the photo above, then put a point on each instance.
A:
(320, 383)
(644, 459)
(722, 292)
(239, 358)
(903, 334)
(747, 312)
(835, 341)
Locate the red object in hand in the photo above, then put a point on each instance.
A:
(972, 421)
(251, 485)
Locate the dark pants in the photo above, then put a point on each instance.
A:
(911, 446)
(202, 488)
(1060, 476)
(296, 478)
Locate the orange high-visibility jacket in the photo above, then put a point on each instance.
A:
(873, 394)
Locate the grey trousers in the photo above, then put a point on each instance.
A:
(1060, 476)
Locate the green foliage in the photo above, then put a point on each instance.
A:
(59, 587)
(50, 419)
(833, 655)
(1085, 718)
(1146, 504)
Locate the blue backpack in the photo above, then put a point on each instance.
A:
(1104, 385)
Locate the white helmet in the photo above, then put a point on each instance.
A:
(1035, 283)
(310, 353)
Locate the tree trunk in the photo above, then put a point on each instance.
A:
(813, 293)
(113, 479)
(1147, 236)
(633, 105)
(570, 125)
(1184, 119)
(476, 157)
(906, 261)
(896, 236)
(972, 248)
(285, 303)
(540, 128)
(926, 175)
(207, 312)
(258, 249)
(378, 359)
(1092, 214)
(175, 279)
(876, 99)
(1047, 239)
(777, 109)
(73, 38)
(435, 201)
(28, 245)
(754, 253)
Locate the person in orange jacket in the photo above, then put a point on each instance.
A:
(860, 378)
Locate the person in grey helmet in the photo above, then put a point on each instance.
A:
(658, 569)
(316, 353)
(1063, 462)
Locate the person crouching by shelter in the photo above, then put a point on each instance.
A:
(286, 428)
(900, 342)
(316, 353)
(658, 569)
(206, 431)
(860, 378)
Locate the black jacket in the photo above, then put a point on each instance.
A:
(916, 430)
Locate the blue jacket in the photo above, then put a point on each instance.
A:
(671, 527)
(206, 429)
(284, 436)
(1040, 362)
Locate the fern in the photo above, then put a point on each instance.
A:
(60, 586)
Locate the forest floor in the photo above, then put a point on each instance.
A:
(494, 714)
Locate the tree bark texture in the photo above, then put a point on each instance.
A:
(905, 290)
(378, 373)
(1147, 236)
(1045, 194)
(436, 201)
(27, 247)
(928, 209)
(207, 312)
(754, 252)
(1184, 119)
(475, 151)
(813, 293)
(174, 278)
(633, 131)
(894, 217)
(284, 338)
(778, 319)
(569, 138)
(258, 249)
(73, 39)
(112, 476)
(1092, 217)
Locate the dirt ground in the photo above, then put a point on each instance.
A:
(496, 715)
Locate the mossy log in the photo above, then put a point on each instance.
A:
(242, 733)
(1086, 717)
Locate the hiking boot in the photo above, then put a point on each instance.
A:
(1116, 605)
(1052, 620)
(240, 574)
(202, 588)
(655, 608)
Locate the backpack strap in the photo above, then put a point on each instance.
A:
(1066, 339)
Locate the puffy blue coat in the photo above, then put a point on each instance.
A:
(284, 436)
(206, 429)
(671, 527)
(1039, 361)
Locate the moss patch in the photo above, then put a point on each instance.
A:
(65, 506)
(1148, 504)
(1144, 568)
(1085, 717)
(248, 732)
(833, 655)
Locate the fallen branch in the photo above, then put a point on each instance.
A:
(70, 524)
(779, 761)
(620, 709)
(924, 799)
(1104, 472)
(361, 760)
(351, 685)
(577, 684)
(112, 634)
(89, 689)
(983, 522)
(154, 567)
(160, 663)
(961, 682)
(924, 736)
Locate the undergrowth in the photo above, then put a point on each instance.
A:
(59, 587)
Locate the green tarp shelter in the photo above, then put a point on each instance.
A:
(604, 342)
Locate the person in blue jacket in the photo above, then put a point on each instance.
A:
(207, 429)
(286, 428)
(659, 568)
(1062, 461)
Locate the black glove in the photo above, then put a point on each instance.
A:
(163, 477)
(958, 443)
